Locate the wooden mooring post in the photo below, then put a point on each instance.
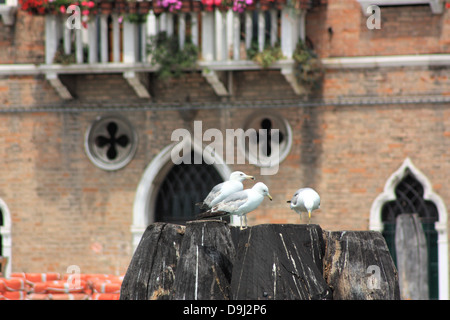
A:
(210, 260)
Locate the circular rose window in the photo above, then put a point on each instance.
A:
(267, 139)
(111, 142)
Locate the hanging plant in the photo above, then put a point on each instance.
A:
(62, 57)
(171, 59)
(264, 58)
(308, 67)
(136, 18)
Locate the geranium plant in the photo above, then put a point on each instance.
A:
(240, 5)
(171, 5)
(236, 5)
(41, 7)
(34, 7)
(209, 4)
(87, 9)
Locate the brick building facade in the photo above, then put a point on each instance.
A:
(383, 106)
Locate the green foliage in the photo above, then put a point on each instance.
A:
(63, 58)
(265, 58)
(166, 52)
(136, 18)
(308, 68)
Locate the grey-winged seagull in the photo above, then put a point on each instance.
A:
(239, 203)
(224, 189)
(305, 200)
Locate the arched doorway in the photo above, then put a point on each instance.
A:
(144, 208)
(183, 186)
(408, 191)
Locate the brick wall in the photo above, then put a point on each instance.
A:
(23, 42)
(412, 81)
(404, 30)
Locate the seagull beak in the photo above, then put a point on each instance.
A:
(250, 177)
(269, 196)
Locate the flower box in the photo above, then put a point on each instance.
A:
(132, 7)
(106, 7)
(144, 7)
(185, 6)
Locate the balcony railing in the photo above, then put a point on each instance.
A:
(110, 40)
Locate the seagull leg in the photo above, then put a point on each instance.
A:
(309, 216)
(246, 224)
(240, 220)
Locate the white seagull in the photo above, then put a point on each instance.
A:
(305, 200)
(224, 189)
(239, 203)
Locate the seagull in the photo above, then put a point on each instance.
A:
(224, 189)
(239, 203)
(305, 200)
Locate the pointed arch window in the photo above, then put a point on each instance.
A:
(408, 192)
(184, 186)
(1, 225)
(5, 239)
(409, 199)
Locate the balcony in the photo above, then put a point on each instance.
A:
(111, 42)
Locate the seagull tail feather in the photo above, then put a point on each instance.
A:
(202, 205)
(209, 214)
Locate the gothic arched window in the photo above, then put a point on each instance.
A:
(184, 186)
(1, 225)
(409, 194)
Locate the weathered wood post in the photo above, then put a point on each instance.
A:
(177, 262)
(280, 262)
(151, 273)
(358, 266)
(412, 257)
(209, 260)
(205, 263)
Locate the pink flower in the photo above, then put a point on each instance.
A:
(84, 3)
(62, 9)
(85, 12)
(91, 4)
